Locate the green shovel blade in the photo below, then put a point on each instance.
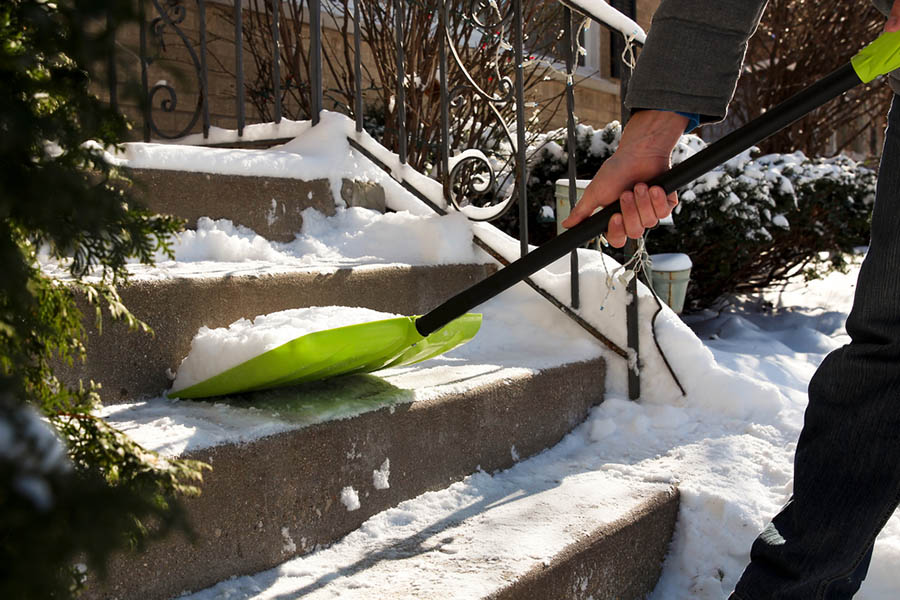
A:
(361, 348)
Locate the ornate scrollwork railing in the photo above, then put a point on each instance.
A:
(471, 184)
(170, 15)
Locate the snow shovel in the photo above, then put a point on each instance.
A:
(368, 347)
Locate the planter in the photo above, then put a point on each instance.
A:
(670, 274)
(562, 200)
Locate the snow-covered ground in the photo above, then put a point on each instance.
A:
(732, 466)
(728, 443)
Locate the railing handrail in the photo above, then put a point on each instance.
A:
(170, 15)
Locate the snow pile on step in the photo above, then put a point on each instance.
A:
(352, 237)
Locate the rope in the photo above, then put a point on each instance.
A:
(628, 53)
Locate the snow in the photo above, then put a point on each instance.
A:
(350, 499)
(727, 443)
(381, 477)
(601, 11)
(32, 453)
(455, 544)
(731, 461)
(670, 261)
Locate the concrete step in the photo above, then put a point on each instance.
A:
(283, 459)
(519, 535)
(270, 206)
(130, 365)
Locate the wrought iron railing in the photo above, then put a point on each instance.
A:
(464, 175)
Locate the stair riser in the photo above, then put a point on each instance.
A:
(294, 480)
(270, 206)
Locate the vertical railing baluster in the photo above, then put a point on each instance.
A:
(145, 86)
(570, 52)
(357, 66)
(204, 73)
(239, 64)
(276, 59)
(521, 167)
(113, 82)
(315, 66)
(445, 99)
(631, 247)
(400, 100)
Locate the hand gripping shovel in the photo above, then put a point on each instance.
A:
(376, 345)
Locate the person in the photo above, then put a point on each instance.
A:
(847, 459)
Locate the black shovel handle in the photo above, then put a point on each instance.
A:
(829, 87)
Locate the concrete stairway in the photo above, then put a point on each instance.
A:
(282, 459)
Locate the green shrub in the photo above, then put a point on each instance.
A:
(72, 489)
(753, 223)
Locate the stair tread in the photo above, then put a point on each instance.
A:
(460, 422)
(249, 268)
(470, 540)
(176, 427)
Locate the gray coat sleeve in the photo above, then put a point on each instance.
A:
(693, 56)
(694, 52)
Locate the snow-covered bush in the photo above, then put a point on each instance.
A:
(747, 224)
(755, 221)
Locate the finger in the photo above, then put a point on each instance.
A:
(615, 233)
(893, 22)
(632, 219)
(659, 202)
(645, 206)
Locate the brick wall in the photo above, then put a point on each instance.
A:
(597, 99)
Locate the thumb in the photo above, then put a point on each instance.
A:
(589, 202)
(893, 22)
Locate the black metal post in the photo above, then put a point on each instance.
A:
(315, 67)
(632, 320)
(445, 100)
(521, 167)
(276, 59)
(145, 87)
(357, 66)
(112, 79)
(571, 48)
(204, 74)
(239, 65)
(400, 100)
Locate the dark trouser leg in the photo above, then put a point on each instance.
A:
(847, 464)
